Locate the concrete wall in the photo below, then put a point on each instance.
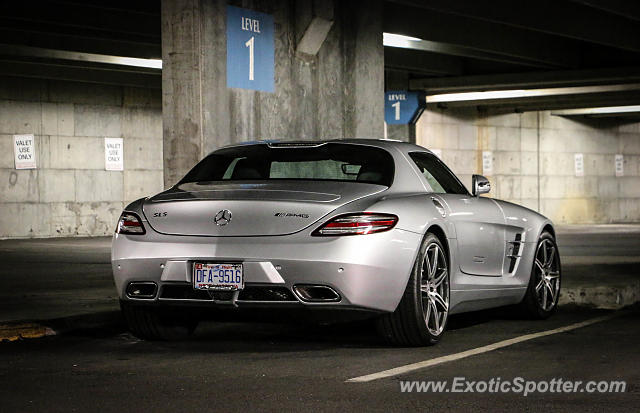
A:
(337, 93)
(533, 160)
(70, 193)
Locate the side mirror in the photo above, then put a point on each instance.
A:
(480, 185)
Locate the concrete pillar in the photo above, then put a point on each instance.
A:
(364, 60)
(338, 93)
(181, 87)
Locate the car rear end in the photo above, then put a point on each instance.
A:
(269, 225)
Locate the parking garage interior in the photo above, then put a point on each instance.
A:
(72, 76)
(542, 98)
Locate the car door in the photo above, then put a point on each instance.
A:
(479, 222)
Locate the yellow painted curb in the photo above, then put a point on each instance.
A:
(13, 332)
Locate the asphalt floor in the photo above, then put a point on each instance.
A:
(291, 365)
(300, 367)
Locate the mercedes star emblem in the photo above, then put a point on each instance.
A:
(222, 218)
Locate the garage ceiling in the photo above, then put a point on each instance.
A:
(501, 45)
(34, 35)
(458, 46)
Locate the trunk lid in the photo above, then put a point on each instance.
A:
(257, 208)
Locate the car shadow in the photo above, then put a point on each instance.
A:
(268, 331)
(474, 318)
(281, 332)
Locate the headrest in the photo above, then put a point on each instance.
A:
(369, 173)
(244, 170)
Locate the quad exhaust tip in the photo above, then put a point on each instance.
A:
(316, 293)
(142, 290)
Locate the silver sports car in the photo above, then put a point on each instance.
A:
(373, 226)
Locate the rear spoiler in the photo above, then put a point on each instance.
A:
(295, 144)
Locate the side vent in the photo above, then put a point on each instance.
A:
(514, 252)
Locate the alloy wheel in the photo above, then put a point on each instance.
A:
(547, 271)
(434, 288)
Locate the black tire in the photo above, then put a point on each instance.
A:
(532, 304)
(406, 326)
(156, 323)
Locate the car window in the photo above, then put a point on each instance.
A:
(440, 178)
(322, 162)
(326, 169)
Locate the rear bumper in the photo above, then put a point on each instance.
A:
(368, 272)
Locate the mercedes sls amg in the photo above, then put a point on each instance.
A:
(377, 226)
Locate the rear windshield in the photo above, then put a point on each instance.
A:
(326, 162)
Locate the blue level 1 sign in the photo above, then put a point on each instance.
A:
(401, 106)
(250, 49)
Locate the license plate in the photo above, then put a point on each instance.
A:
(217, 277)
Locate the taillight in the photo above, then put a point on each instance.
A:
(357, 224)
(130, 223)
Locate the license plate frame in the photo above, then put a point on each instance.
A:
(206, 276)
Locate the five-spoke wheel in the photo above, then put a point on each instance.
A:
(421, 317)
(542, 294)
(434, 285)
(547, 271)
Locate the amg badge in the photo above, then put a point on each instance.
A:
(290, 214)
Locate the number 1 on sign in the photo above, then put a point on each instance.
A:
(397, 106)
(250, 44)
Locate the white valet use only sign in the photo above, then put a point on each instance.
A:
(113, 154)
(24, 149)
